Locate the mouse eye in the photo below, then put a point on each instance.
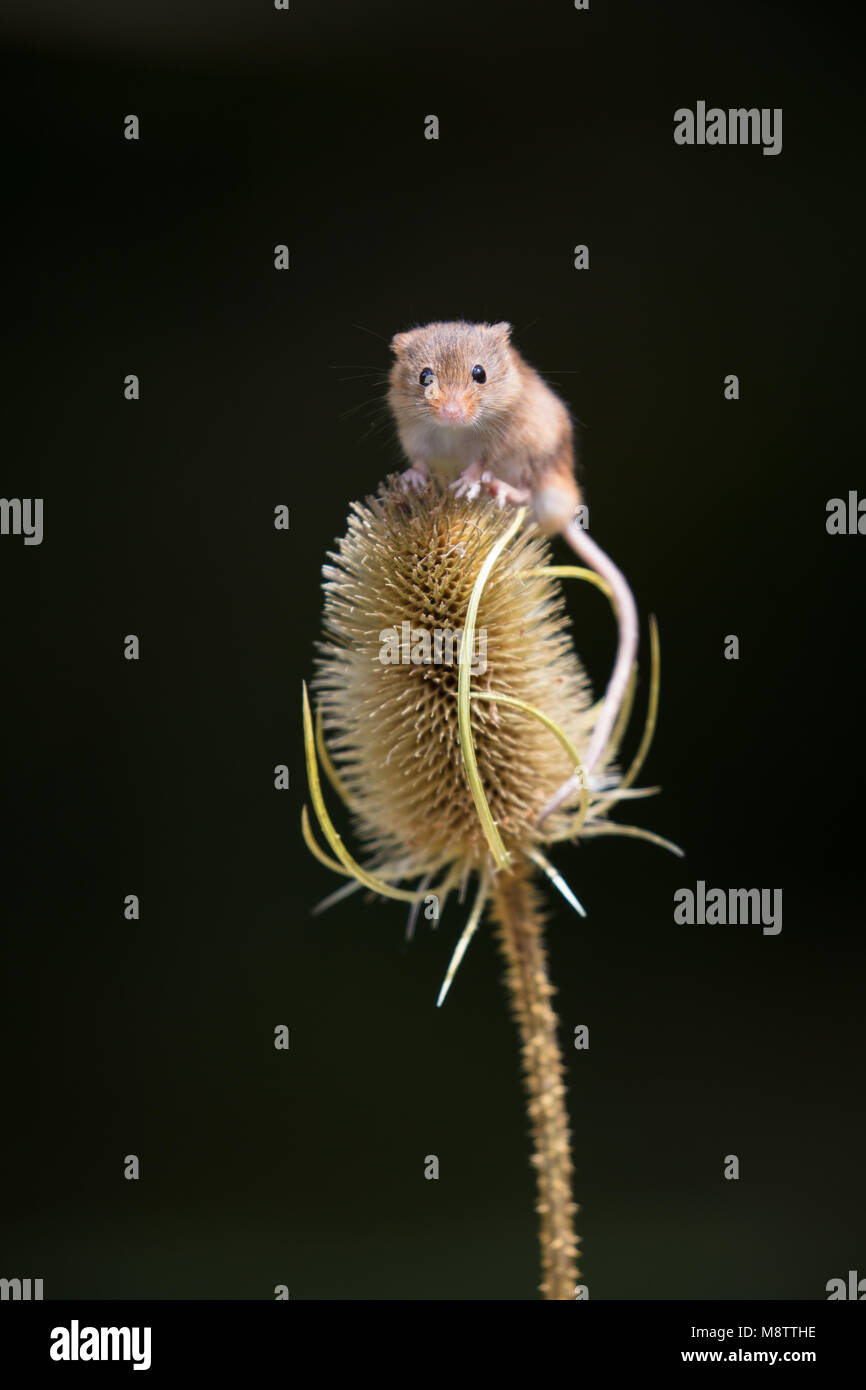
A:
(479, 375)
(426, 376)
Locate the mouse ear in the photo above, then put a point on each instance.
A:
(400, 341)
(501, 331)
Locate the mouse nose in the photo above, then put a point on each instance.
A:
(452, 410)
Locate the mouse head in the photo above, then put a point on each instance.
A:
(460, 373)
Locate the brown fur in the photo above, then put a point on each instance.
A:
(511, 434)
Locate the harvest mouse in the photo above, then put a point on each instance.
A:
(464, 399)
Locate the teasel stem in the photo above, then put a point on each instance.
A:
(519, 922)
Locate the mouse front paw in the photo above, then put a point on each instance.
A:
(465, 487)
(469, 483)
(415, 478)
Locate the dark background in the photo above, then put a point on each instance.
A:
(156, 1037)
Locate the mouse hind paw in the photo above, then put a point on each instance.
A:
(505, 493)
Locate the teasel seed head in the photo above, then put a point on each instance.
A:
(408, 565)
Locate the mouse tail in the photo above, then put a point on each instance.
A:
(627, 622)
